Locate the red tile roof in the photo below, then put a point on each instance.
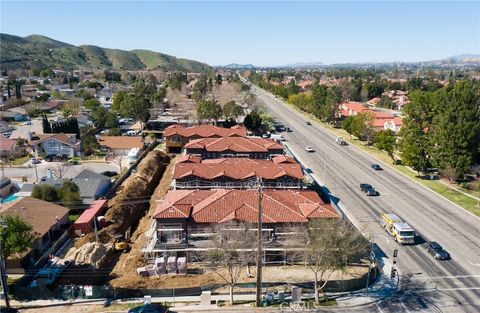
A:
(188, 158)
(221, 205)
(68, 139)
(235, 144)
(238, 168)
(205, 131)
(121, 142)
(7, 144)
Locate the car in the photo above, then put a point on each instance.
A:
(148, 308)
(109, 173)
(308, 123)
(437, 251)
(265, 136)
(365, 187)
(340, 141)
(377, 167)
(372, 192)
(7, 134)
(34, 161)
(309, 149)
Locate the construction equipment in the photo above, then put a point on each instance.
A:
(400, 231)
(121, 244)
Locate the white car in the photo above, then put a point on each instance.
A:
(309, 149)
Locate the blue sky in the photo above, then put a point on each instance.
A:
(261, 33)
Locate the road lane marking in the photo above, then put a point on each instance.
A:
(459, 288)
(474, 264)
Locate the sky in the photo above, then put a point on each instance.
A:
(260, 33)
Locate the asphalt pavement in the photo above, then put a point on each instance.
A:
(428, 285)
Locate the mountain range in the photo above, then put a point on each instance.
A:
(36, 51)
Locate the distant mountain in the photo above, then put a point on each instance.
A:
(36, 51)
(235, 66)
(301, 65)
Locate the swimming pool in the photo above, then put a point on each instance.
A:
(9, 198)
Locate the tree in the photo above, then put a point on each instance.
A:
(118, 100)
(347, 124)
(90, 144)
(218, 80)
(60, 169)
(45, 192)
(46, 124)
(56, 94)
(201, 86)
(208, 109)
(70, 108)
(17, 236)
(84, 94)
(233, 250)
(231, 110)
(91, 104)
(176, 80)
(385, 140)
(69, 194)
(456, 126)
(253, 121)
(328, 245)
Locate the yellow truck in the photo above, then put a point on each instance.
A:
(400, 231)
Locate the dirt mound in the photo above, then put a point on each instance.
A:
(132, 200)
(91, 253)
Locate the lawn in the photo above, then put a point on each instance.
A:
(457, 197)
(21, 161)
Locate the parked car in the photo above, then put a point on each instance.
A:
(308, 123)
(34, 161)
(377, 167)
(365, 187)
(109, 173)
(7, 134)
(265, 136)
(437, 251)
(148, 308)
(27, 123)
(309, 149)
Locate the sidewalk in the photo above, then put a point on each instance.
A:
(382, 288)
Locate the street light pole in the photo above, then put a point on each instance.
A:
(259, 244)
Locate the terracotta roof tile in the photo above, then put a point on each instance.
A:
(205, 131)
(238, 168)
(235, 144)
(221, 205)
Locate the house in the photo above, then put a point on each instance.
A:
(177, 136)
(380, 119)
(48, 221)
(7, 147)
(19, 110)
(394, 124)
(351, 108)
(254, 148)
(91, 185)
(237, 173)
(185, 219)
(120, 145)
(12, 116)
(54, 144)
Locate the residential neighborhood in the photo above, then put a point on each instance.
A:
(203, 157)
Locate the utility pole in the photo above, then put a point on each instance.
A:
(3, 273)
(259, 243)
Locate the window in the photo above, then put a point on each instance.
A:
(280, 184)
(216, 184)
(229, 184)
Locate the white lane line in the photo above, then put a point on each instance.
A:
(460, 288)
(474, 264)
(445, 277)
(404, 306)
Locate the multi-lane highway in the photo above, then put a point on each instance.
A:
(427, 284)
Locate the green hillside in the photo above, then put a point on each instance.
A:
(36, 51)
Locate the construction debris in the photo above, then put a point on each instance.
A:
(91, 253)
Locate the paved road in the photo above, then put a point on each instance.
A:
(18, 173)
(430, 285)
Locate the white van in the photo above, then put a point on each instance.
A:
(131, 133)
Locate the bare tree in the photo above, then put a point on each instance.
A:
(60, 169)
(328, 245)
(233, 250)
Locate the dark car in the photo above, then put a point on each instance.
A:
(376, 167)
(308, 123)
(109, 173)
(148, 308)
(372, 192)
(365, 187)
(437, 251)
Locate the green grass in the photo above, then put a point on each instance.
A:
(20, 161)
(451, 194)
(73, 217)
